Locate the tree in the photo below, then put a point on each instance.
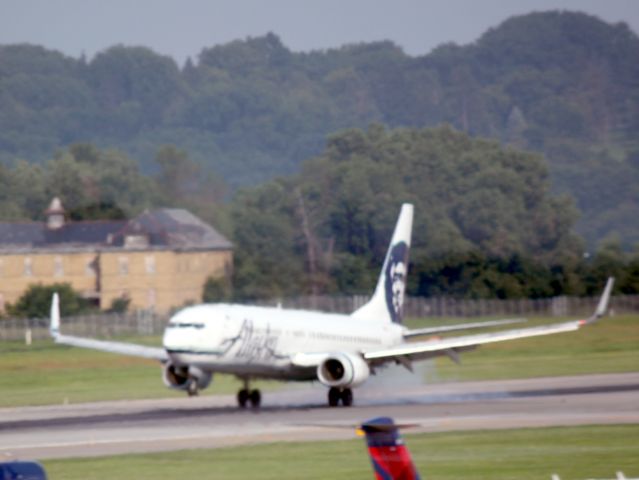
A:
(119, 305)
(216, 290)
(97, 211)
(35, 302)
(136, 84)
(555, 82)
(629, 284)
(470, 196)
(178, 173)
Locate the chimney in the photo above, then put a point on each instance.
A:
(55, 214)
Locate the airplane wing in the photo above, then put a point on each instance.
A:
(407, 352)
(460, 326)
(131, 349)
(452, 346)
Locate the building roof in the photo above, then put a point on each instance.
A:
(164, 229)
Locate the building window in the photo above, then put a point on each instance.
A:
(28, 267)
(149, 261)
(136, 241)
(90, 267)
(124, 265)
(58, 267)
(150, 300)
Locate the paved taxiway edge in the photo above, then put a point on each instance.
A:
(112, 428)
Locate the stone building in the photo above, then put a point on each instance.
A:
(159, 259)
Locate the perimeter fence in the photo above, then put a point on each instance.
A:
(421, 307)
(104, 325)
(150, 323)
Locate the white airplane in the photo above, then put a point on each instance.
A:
(341, 351)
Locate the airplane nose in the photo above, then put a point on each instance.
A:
(176, 337)
(168, 338)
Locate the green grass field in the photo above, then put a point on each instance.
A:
(576, 453)
(45, 373)
(609, 346)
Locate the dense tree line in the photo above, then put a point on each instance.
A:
(561, 83)
(96, 184)
(487, 224)
(35, 302)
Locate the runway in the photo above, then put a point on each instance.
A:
(301, 414)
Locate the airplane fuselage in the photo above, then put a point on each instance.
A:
(340, 351)
(260, 341)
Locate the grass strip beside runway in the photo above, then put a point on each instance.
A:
(609, 346)
(47, 374)
(574, 453)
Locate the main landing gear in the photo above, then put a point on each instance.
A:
(246, 396)
(193, 391)
(335, 395)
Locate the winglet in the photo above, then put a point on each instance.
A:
(54, 327)
(602, 307)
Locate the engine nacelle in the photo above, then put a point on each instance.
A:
(343, 370)
(188, 378)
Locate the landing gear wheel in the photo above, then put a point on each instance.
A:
(242, 397)
(192, 391)
(347, 397)
(333, 397)
(255, 397)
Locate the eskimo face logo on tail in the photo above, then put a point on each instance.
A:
(395, 280)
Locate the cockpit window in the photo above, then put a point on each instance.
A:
(185, 325)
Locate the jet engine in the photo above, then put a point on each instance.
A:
(343, 370)
(188, 378)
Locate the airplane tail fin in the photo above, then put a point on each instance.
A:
(54, 327)
(388, 300)
(390, 457)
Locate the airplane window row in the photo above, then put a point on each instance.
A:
(344, 338)
(185, 325)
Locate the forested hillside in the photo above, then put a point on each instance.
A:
(564, 84)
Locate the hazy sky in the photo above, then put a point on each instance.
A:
(183, 28)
